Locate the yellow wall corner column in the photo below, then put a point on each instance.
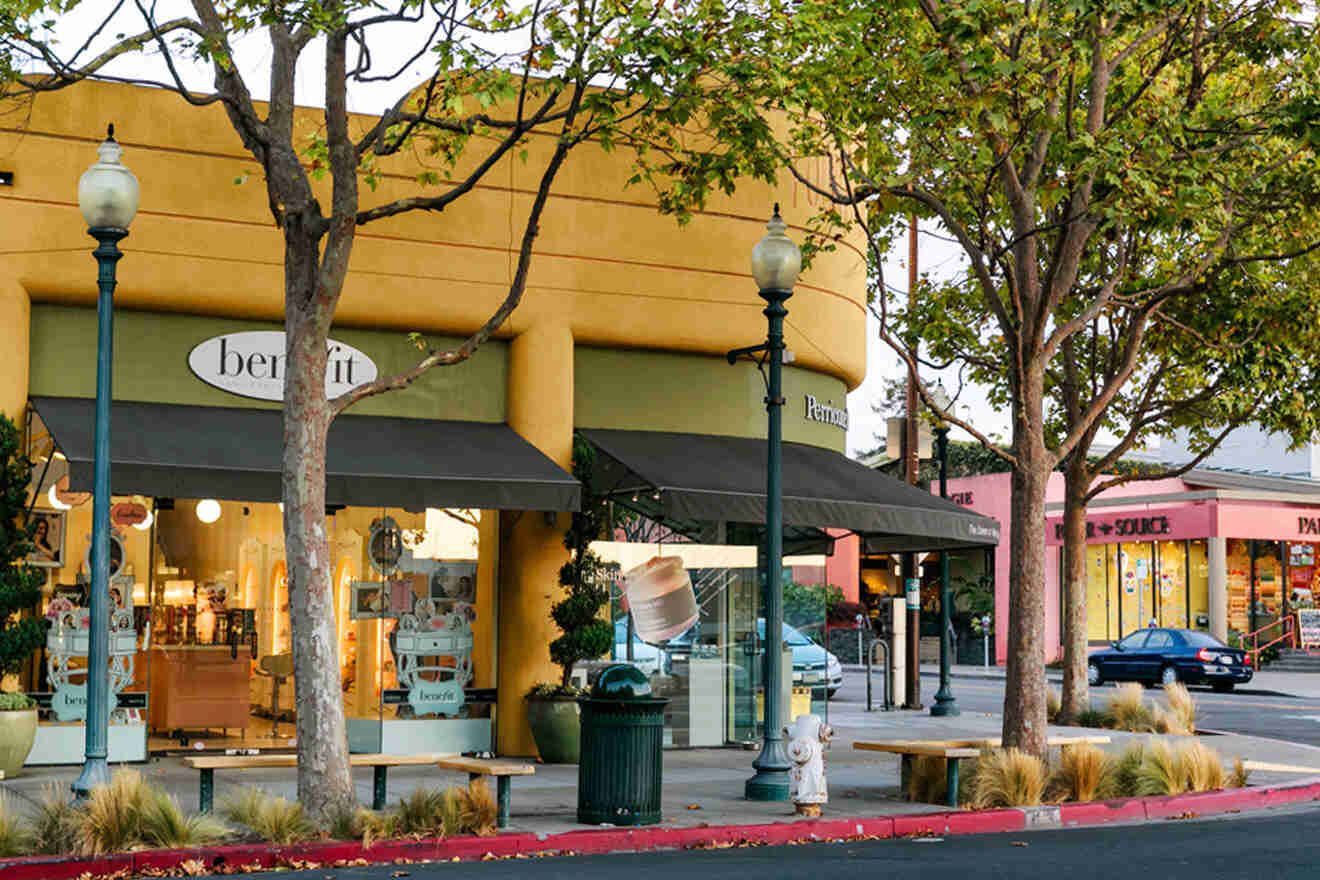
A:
(540, 408)
(15, 318)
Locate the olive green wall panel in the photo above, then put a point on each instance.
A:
(696, 394)
(151, 364)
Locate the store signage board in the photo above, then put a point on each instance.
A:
(251, 364)
(436, 697)
(1308, 621)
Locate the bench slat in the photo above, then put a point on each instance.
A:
(239, 762)
(486, 766)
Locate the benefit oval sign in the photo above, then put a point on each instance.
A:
(252, 364)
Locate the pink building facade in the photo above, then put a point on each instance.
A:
(1218, 551)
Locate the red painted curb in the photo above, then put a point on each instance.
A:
(981, 822)
(1102, 812)
(60, 868)
(594, 841)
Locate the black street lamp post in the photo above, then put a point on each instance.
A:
(108, 197)
(945, 704)
(776, 262)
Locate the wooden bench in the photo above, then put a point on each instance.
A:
(208, 764)
(499, 768)
(953, 752)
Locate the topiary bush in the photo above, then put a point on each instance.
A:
(20, 584)
(586, 578)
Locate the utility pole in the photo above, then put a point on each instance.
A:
(911, 464)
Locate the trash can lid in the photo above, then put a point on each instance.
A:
(621, 682)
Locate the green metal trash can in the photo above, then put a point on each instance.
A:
(619, 772)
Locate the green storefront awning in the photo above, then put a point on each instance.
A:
(691, 477)
(177, 451)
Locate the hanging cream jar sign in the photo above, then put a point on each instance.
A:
(659, 595)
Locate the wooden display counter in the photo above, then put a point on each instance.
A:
(199, 686)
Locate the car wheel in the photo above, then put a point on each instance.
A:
(832, 692)
(1222, 687)
(1093, 676)
(1168, 676)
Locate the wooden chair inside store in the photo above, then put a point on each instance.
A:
(276, 667)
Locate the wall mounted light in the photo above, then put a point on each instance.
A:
(208, 510)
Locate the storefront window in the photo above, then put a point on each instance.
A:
(1101, 604)
(1301, 574)
(1198, 581)
(712, 672)
(1268, 585)
(1137, 602)
(1171, 584)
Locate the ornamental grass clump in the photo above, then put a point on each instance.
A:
(477, 808)
(1008, 778)
(929, 782)
(1201, 766)
(1128, 710)
(271, 818)
(1053, 705)
(1161, 772)
(365, 825)
(17, 836)
(1125, 769)
(1085, 773)
(1180, 717)
(1238, 778)
(111, 818)
(429, 812)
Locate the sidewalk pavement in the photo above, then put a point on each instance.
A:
(701, 786)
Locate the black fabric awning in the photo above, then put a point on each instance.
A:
(174, 451)
(706, 477)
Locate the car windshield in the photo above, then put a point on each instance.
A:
(1201, 640)
(1134, 640)
(794, 638)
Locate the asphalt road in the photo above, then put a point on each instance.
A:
(1248, 710)
(1281, 845)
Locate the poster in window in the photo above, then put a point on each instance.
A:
(47, 539)
(369, 600)
(456, 581)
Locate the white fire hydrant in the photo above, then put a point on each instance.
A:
(806, 749)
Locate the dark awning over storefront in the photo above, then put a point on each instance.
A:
(169, 450)
(705, 477)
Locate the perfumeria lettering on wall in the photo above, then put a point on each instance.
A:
(1122, 527)
(826, 412)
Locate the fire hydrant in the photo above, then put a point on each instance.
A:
(806, 778)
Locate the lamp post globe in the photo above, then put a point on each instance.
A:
(945, 704)
(108, 197)
(776, 262)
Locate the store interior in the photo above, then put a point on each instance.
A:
(204, 590)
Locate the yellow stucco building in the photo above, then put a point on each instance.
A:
(623, 327)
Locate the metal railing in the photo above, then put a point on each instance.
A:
(1288, 633)
(888, 674)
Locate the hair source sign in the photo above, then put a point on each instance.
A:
(252, 364)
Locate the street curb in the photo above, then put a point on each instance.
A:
(599, 841)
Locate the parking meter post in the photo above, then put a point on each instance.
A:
(867, 658)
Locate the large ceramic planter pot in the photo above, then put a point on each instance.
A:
(18, 730)
(556, 728)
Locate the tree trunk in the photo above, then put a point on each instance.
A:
(1024, 694)
(1076, 690)
(325, 786)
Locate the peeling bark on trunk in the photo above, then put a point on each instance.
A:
(1024, 694)
(1076, 690)
(325, 785)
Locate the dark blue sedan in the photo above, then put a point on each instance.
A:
(1168, 656)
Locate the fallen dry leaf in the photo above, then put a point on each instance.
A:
(694, 806)
(1020, 843)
